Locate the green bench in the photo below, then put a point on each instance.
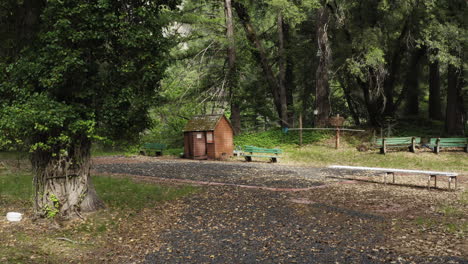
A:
(251, 151)
(157, 148)
(438, 143)
(397, 142)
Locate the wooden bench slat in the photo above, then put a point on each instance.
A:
(251, 151)
(438, 143)
(432, 174)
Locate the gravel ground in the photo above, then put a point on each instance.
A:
(234, 225)
(227, 224)
(255, 174)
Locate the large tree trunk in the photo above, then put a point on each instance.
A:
(282, 71)
(63, 183)
(455, 115)
(349, 100)
(322, 86)
(394, 71)
(261, 57)
(412, 83)
(232, 69)
(289, 75)
(435, 108)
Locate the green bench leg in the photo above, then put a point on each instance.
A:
(273, 160)
(248, 158)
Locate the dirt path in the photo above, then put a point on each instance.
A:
(336, 223)
(234, 225)
(231, 173)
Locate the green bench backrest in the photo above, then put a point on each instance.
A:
(455, 141)
(398, 140)
(261, 150)
(154, 146)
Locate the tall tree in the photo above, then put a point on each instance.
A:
(232, 81)
(91, 73)
(411, 88)
(279, 95)
(322, 86)
(435, 99)
(455, 113)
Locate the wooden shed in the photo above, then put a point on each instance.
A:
(208, 137)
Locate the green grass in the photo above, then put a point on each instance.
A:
(318, 150)
(13, 155)
(16, 187)
(127, 194)
(319, 155)
(115, 192)
(276, 138)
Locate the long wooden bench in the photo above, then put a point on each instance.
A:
(389, 171)
(397, 142)
(251, 151)
(438, 143)
(157, 148)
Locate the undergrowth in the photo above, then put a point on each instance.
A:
(276, 138)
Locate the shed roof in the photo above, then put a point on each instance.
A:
(203, 123)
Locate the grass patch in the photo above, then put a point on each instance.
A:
(16, 187)
(425, 222)
(37, 242)
(126, 194)
(318, 155)
(450, 211)
(115, 192)
(173, 151)
(276, 138)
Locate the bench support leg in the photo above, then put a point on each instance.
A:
(387, 174)
(450, 180)
(429, 181)
(383, 150)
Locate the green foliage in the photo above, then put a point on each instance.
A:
(52, 211)
(91, 72)
(276, 138)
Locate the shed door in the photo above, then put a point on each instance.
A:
(199, 144)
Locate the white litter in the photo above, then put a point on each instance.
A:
(14, 216)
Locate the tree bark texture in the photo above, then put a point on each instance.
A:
(455, 113)
(322, 86)
(232, 69)
(289, 75)
(412, 83)
(261, 57)
(389, 84)
(282, 71)
(63, 184)
(349, 100)
(435, 107)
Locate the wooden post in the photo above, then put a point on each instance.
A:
(300, 129)
(337, 138)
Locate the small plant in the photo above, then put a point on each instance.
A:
(52, 211)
